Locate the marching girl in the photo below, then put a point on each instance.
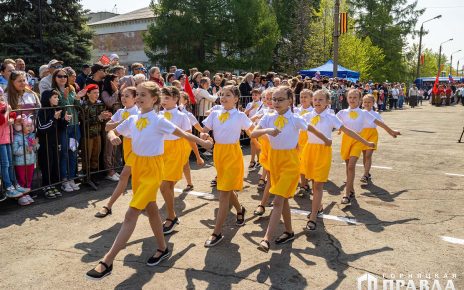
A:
(250, 110)
(317, 157)
(355, 119)
(184, 103)
(369, 133)
(306, 97)
(148, 131)
(266, 108)
(128, 101)
(283, 129)
(227, 125)
(175, 153)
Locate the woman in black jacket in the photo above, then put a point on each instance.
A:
(247, 85)
(50, 122)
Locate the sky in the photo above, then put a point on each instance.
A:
(439, 30)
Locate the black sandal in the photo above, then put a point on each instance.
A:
(318, 213)
(287, 237)
(188, 188)
(311, 225)
(95, 275)
(214, 182)
(261, 184)
(102, 215)
(241, 221)
(153, 261)
(217, 239)
(259, 213)
(252, 165)
(347, 199)
(263, 248)
(170, 228)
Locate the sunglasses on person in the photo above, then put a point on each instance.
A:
(56, 66)
(62, 76)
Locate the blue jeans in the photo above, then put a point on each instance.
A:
(6, 163)
(68, 158)
(400, 101)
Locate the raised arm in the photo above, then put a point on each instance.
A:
(389, 130)
(258, 132)
(190, 137)
(356, 136)
(319, 135)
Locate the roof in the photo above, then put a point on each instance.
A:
(143, 13)
(327, 70)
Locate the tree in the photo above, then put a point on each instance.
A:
(212, 34)
(387, 23)
(65, 34)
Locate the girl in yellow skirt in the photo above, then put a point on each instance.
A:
(148, 131)
(264, 182)
(355, 119)
(175, 153)
(227, 125)
(184, 103)
(369, 133)
(305, 107)
(250, 110)
(128, 101)
(283, 130)
(317, 157)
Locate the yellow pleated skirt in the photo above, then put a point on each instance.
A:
(264, 153)
(316, 162)
(350, 147)
(285, 172)
(228, 161)
(302, 140)
(371, 135)
(126, 148)
(175, 157)
(147, 174)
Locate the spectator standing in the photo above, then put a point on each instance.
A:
(82, 77)
(413, 94)
(5, 72)
(155, 75)
(46, 82)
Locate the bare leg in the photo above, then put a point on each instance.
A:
(156, 226)
(120, 188)
(287, 217)
(317, 199)
(367, 158)
(222, 211)
(303, 181)
(233, 199)
(351, 171)
(123, 236)
(187, 174)
(253, 152)
(167, 190)
(275, 217)
(266, 192)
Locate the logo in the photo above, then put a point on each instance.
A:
(371, 281)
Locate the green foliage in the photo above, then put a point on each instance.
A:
(65, 34)
(212, 34)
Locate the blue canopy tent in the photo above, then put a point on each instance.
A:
(327, 70)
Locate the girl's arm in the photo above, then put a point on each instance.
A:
(194, 147)
(319, 135)
(18, 148)
(258, 132)
(182, 134)
(389, 130)
(111, 125)
(198, 127)
(113, 137)
(356, 136)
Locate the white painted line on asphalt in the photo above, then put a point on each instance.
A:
(454, 174)
(328, 217)
(373, 166)
(453, 240)
(197, 193)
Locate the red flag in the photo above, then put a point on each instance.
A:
(422, 59)
(435, 84)
(188, 90)
(105, 60)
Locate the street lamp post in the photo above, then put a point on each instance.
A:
(439, 53)
(420, 44)
(49, 2)
(451, 60)
(457, 66)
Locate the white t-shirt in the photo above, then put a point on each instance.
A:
(148, 141)
(255, 106)
(302, 111)
(121, 114)
(362, 119)
(376, 115)
(288, 137)
(229, 131)
(179, 119)
(193, 120)
(325, 125)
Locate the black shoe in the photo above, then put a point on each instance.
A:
(217, 239)
(102, 215)
(287, 237)
(311, 225)
(94, 275)
(2, 197)
(264, 248)
(152, 261)
(241, 221)
(168, 230)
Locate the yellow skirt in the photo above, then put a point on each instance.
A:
(302, 140)
(228, 160)
(371, 135)
(316, 162)
(147, 174)
(174, 158)
(350, 147)
(126, 148)
(285, 172)
(264, 153)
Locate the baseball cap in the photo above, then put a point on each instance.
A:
(114, 56)
(54, 62)
(98, 66)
